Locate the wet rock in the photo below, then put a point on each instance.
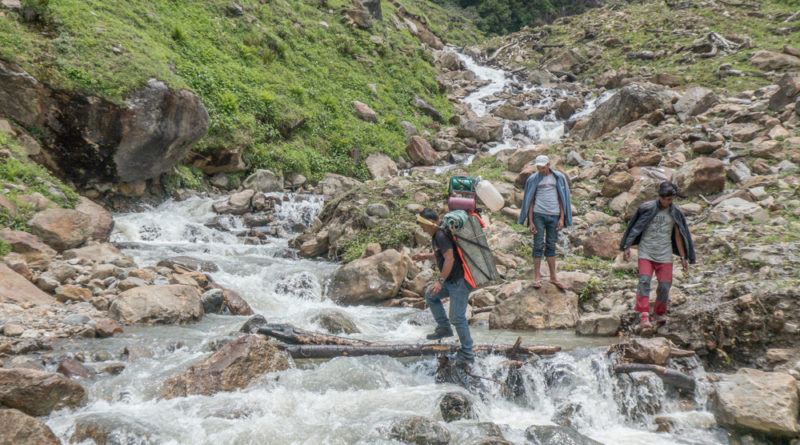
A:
(158, 304)
(420, 151)
(694, 101)
(189, 263)
(556, 435)
(602, 245)
(336, 322)
(37, 393)
(74, 369)
(239, 203)
(649, 350)
(135, 352)
(252, 325)
(701, 175)
(301, 285)
(455, 406)
(263, 181)
(630, 103)
(101, 221)
(639, 395)
(420, 430)
(510, 112)
(758, 401)
(100, 253)
(568, 107)
(212, 301)
(369, 280)
(600, 325)
(112, 429)
(381, 166)
(29, 246)
(107, 327)
(16, 289)
(20, 428)
(61, 229)
(524, 307)
(234, 366)
(235, 304)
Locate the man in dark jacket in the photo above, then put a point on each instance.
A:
(660, 230)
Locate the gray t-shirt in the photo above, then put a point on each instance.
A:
(547, 197)
(656, 242)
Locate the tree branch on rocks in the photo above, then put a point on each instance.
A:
(792, 17)
(717, 43)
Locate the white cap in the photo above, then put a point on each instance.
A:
(542, 160)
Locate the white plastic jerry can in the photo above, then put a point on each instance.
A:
(489, 195)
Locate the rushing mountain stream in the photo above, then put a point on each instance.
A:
(354, 399)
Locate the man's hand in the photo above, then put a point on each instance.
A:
(436, 288)
(420, 256)
(532, 228)
(626, 255)
(684, 264)
(560, 223)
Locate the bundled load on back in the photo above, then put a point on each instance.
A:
(472, 247)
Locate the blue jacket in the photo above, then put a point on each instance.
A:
(641, 219)
(530, 194)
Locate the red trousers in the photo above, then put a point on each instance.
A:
(663, 273)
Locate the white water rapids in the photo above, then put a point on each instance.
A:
(348, 400)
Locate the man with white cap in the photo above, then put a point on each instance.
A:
(547, 209)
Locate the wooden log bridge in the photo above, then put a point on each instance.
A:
(407, 350)
(668, 376)
(300, 343)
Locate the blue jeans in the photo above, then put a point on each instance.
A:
(545, 224)
(458, 291)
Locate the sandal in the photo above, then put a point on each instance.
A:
(559, 285)
(537, 283)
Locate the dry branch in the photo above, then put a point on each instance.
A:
(296, 336)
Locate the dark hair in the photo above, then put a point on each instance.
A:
(667, 189)
(429, 213)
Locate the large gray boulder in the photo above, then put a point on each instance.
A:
(381, 166)
(98, 139)
(483, 129)
(701, 175)
(369, 280)
(527, 308)
(36, 392)
(630, 103)
(158, 304)
(788, 91)
(758, 401)
(100, 219)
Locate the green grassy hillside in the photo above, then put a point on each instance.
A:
(259, 70)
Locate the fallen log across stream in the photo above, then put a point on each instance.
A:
(407, 350)
(301, 343)
(668, 376)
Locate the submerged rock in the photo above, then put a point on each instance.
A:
(455, 406)
(113, 429)
(336, 322)
(556, 435)
(420, 431)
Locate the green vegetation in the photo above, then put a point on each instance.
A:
(183, 177)
(278, 80)
(27, 178)
(505, 16)
(5, 249)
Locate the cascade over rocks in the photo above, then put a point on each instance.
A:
(234, 366)
(112, 428)
(91, 138)
(369, 280)
(420, 430)
(556, 435)
(36, 392)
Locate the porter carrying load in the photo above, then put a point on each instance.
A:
(472, 247)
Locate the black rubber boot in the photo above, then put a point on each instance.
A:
(440, 333)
